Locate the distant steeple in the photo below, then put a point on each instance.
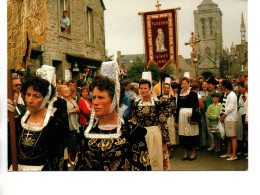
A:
(243, 30)
(233, 49)
(232, 45)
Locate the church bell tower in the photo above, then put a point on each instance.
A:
(208, 28)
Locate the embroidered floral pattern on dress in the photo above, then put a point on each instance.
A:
(118, 153)
(127, 165)
(144, 158)
(91, 142)
(145, 110)
(123, 153)
(150, 115)
(106, 144)
(115, 164)
(120, 141)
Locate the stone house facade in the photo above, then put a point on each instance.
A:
(82, 46)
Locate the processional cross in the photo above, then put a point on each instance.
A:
(195, 53)
(158, 5)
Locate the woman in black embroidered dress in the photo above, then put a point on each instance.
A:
(112, 143)
(149, 113)
(169, 111)
(41, 131)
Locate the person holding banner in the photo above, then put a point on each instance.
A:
(187, 118)
(149, 112)
(41, 131)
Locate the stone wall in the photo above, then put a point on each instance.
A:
(58, 44)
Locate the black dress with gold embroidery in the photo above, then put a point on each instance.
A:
(126, 153)
(44, 147)
(150, 115)
(169, 106)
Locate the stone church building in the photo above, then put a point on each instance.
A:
(82, 46)
(208, 28)
(213, 58)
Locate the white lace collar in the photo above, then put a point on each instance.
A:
(188, 91)
(142, 103)
(50, 111)
(116, 135)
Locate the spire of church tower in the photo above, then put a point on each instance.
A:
(243, 30)
(232, 45)
(232, 49)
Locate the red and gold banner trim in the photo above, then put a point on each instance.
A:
(160, 35)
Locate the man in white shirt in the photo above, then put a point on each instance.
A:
(64, 22)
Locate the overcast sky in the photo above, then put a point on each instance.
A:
(124, 30)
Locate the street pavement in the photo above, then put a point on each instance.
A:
(205, 161)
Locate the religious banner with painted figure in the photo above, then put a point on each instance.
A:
(160, 34)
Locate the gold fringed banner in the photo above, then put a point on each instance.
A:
(26, 19)
(160, 35)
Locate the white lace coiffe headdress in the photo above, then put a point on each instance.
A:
(110, 70)
(168, 81)
(46, 72)
(148, 76)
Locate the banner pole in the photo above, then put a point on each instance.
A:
(161, 83)
(11, 119)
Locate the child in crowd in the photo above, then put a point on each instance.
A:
(212, 114)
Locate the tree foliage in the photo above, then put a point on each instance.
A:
(109, 57)
(135, 72)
